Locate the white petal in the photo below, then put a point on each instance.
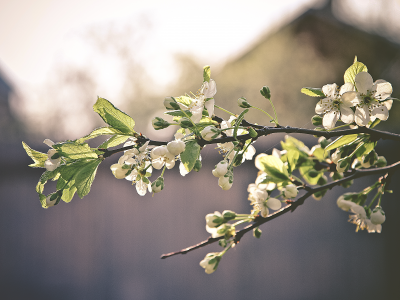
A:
(274, 203)
(363, 82)
(346, 114)
(182, 169)
(383, 89)
(319, 108)
(141, 188)
(347, 87)
(197, 113)
(380, 112)
(329, 89)
(350, 99)
(209, 105)
(330, 119)
(361, 115)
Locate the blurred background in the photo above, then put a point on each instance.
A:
(56, 57)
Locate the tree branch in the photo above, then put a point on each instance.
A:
(354, 174)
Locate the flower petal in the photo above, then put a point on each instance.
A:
(330, 119)
(329, 89)
(382, 88)
(350, 99)
(209, 105)
(363, 82)
(361, 115)
(347, 114)
(347, 87)
(380, 112)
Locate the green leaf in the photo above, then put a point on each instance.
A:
(190, 155)
(179, 113)
(340, 141)
(273, 166)
(38, 157)
(306, 171)
(292, 158)
(365, 148)
(206, 73)
(353, 70)
(98, 132)
(320, 153)
(238, 122)
(313, 92)
(81, 173)
(114, 141)
(74, 150)
(113, 116)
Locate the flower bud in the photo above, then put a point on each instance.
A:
(257, 232)
(157, 185)
(176, 147)
(51, 200)
(220, 169)
(226, 181)
(214, 220)
(253, 133)
(324, 142)
(228, 215)
(265, 91)
(369, 160)
(170, 103)
(210, 132)
(381, 162)
(318, 195)
(159, 123)
(290, 191)
(242, 102)
(118, 171)
(158, 151)
(210, 262)
(378, 216)
(343, 164)
(238, 160)
(316, 120)
(274, 203)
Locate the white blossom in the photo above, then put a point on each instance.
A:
(220, 169)
(369, 97)
(335, 107)
(378, 216)
(359, 218)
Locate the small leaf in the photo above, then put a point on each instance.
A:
(340, 141)
(206, 73)
(353, 70)
(190, 155)
(185, 100)
(239, 121)
(74, 150)
(113, 116)
(114, 141)
(313, 92)
(365, 148)
(38, 157)
(273, 166)
(292, 157)
(98, 132)
(179, 113)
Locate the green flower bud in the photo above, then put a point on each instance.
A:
(238, 160)
(257, 232)
(322, 180)
(159, 123)
(253, 133)
(316, 120)
(157, 185)
(265, 91)
(242, 102)
(170, 103)
(228, 215)
(381, 162)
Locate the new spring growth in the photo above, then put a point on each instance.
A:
(316, 120)
(159, 123)
(157, 185)
(171, 104)
(265, 91)
(242, 102)
(210, 132)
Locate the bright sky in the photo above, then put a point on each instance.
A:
(35, 34)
